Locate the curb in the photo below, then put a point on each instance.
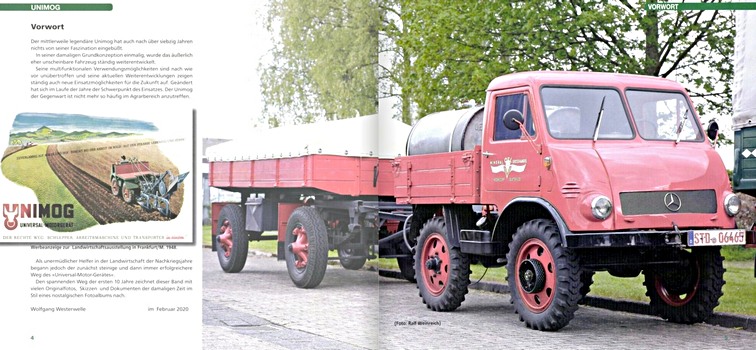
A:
(746, 323)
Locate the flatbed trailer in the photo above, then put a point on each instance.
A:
(316, 200)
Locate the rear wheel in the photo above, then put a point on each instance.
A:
(690, 293)
(443, 272)
(586, 278)
(306, 247)
(544, 277)
(407, 268)
(233, 242)
(129, 195)
(352, 259)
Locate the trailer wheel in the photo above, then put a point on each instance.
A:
(306, 247)
(690, 294)
(115, 187)
(129, 195)
(544, 277)
(232, 258)
(443, 272)
(407, 268)
(350, 263)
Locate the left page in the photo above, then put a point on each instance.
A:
(97, 189)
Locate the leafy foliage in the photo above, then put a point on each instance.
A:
(323, 61)
(451, 49)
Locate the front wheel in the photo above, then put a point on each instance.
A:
(306, 247)
(442, 272)
(690, 293)
(115, 187)
(544, 277)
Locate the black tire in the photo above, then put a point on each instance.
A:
(350, 263)
(129, 196)
(311, 274)
(443, 273)
(689, 294)
(586, 280)
(239, 239)
(407, 268)
(545, 297)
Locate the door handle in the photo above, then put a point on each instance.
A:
(487, 154)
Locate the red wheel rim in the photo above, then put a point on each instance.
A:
(114, 187)
(435, 260)
(537, 301)
(300, 246)
(127, 195)
(674, 299)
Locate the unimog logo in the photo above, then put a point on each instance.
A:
(509, 166)
(12, 212)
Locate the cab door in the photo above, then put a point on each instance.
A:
(511, 164)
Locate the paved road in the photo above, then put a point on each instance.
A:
(260, 308)
(488, 318)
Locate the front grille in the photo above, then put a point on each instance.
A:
(665, 202)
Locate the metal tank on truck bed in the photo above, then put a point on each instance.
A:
(573, 172)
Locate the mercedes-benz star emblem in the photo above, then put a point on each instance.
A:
(672, 201)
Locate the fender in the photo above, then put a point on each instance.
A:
(540, 203)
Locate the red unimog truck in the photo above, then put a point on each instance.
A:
(561, 174)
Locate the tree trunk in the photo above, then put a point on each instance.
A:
(650, 27)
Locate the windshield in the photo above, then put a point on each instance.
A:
(663, 116)
(572, 113)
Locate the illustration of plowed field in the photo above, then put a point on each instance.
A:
(94, 194)
(95, 158)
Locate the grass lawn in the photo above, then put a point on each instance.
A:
(739, 296)
(36, 174)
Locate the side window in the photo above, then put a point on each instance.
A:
(504, 104)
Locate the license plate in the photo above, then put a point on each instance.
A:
(715, 237)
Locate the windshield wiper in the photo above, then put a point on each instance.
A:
(680, 126)
(598, 120)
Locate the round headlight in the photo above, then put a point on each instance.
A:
(601, 207)
(732, 204)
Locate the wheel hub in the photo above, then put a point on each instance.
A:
(300, 247)
(226, 238)
(435, 254)
(536, 275)
(532, 276)
(433, 263)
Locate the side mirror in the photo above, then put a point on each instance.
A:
(512, 119)
(712, 131)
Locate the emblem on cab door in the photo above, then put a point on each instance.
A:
(672, 202)
(509, 165)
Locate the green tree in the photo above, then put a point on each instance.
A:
(456, 47)
(323, 63)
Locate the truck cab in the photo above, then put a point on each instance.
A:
(571, 173)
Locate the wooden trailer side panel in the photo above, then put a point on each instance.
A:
(342, 175)
(452, 177)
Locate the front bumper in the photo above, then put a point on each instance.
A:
(640, 239)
